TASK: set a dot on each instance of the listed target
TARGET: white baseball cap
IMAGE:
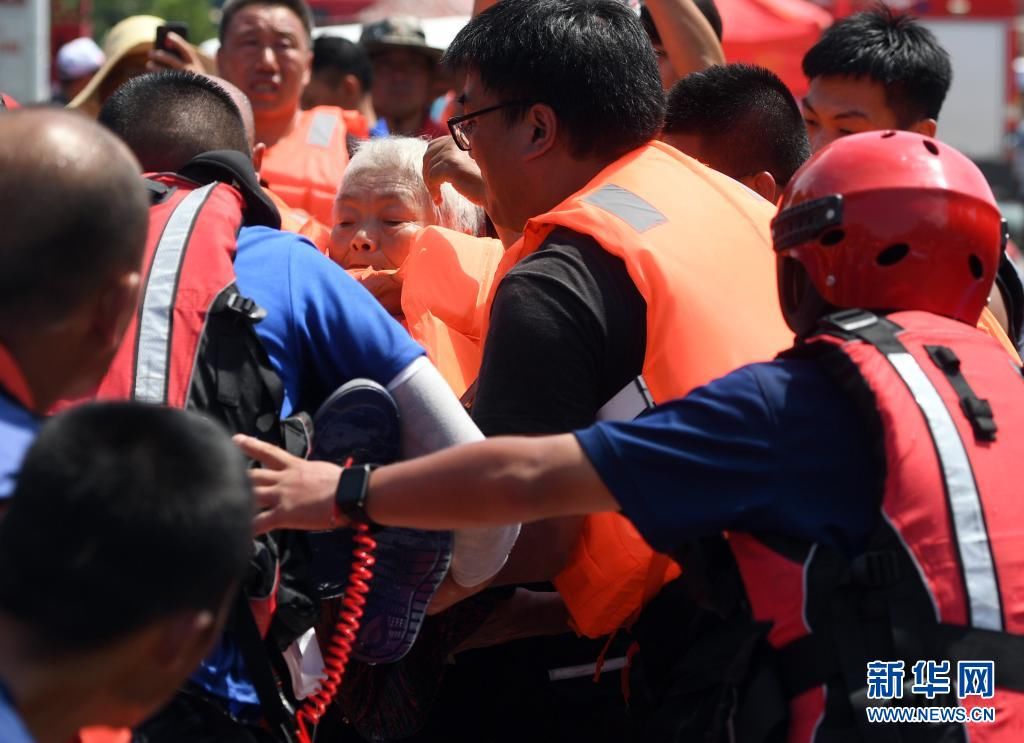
(79, 58)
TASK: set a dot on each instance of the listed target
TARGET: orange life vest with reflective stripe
(305, 167)
(698, 247)
(448, 277)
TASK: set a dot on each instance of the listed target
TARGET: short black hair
(122, 514)
(892, 49)
(707, 8)
(745, 115)
(590, 60)
(335, 57)
(167, 118)
(298, 7)
(75, 213)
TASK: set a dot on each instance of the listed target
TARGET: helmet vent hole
(888, 134)
(832, 237)
(976, 266)
(893, 254)
(931, 147)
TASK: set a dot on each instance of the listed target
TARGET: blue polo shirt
(18, 425)
(322, 329)
(18, 428)
(12, 727)
(774, 447)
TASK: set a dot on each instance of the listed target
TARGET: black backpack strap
(235, 169)
(278, 712)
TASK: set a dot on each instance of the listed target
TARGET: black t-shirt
(568, 330)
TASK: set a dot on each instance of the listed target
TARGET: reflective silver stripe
(627, 206)
(321, 129)
(586, 670)
(964, 502)
(154, 339)
(803, 578)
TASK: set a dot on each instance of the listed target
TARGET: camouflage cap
(404, 32)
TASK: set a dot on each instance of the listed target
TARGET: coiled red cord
(338, 650)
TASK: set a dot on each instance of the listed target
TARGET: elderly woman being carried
(422, 260)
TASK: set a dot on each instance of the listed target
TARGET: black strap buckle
(875, 569)
(850, 321)
(977, 410)
(245, 307)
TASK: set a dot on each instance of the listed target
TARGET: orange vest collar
(13, 381)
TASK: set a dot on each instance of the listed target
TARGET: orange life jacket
(990, 325)
(698, 247)
(448, 277)
(305, 167)
(299, 223)
(356, 123)
(103, 735)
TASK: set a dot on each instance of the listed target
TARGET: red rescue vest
(192, 345)
(938, 579)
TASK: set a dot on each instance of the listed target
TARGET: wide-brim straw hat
(132, 35)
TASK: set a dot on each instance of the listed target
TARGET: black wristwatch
(350, 498)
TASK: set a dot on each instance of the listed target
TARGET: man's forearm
(500, 481)
(687, 36)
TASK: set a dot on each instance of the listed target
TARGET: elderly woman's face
(376, 217)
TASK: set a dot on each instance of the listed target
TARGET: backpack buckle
(245, 307)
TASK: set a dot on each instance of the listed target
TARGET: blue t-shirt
(12, 727)
(322, 329)
(18, 428)
(774, 447)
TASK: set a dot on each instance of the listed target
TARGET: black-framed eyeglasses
(462, 127)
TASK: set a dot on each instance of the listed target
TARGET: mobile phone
(627, 403)
(178, 27)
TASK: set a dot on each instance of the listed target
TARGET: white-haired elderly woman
(382, 204)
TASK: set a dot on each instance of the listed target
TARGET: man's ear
(258, 151)
(307, 72)
(352, 88)
(114, 309)
(543, 130)
(927, 127)
(762, 183)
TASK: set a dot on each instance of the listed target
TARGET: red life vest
(156, 361)
(193, 345)
(939, 577)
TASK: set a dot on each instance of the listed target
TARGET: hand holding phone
(171, 50)
(178, 27)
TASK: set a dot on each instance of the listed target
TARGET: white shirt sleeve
(434, 419)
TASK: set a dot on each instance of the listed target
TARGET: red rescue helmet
(887, 220)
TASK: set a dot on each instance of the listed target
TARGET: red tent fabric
(772, 33)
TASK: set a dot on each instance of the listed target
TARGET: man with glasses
(634, 260)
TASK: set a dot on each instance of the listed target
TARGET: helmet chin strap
(802, 305)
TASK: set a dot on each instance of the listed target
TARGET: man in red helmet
(860, 478)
